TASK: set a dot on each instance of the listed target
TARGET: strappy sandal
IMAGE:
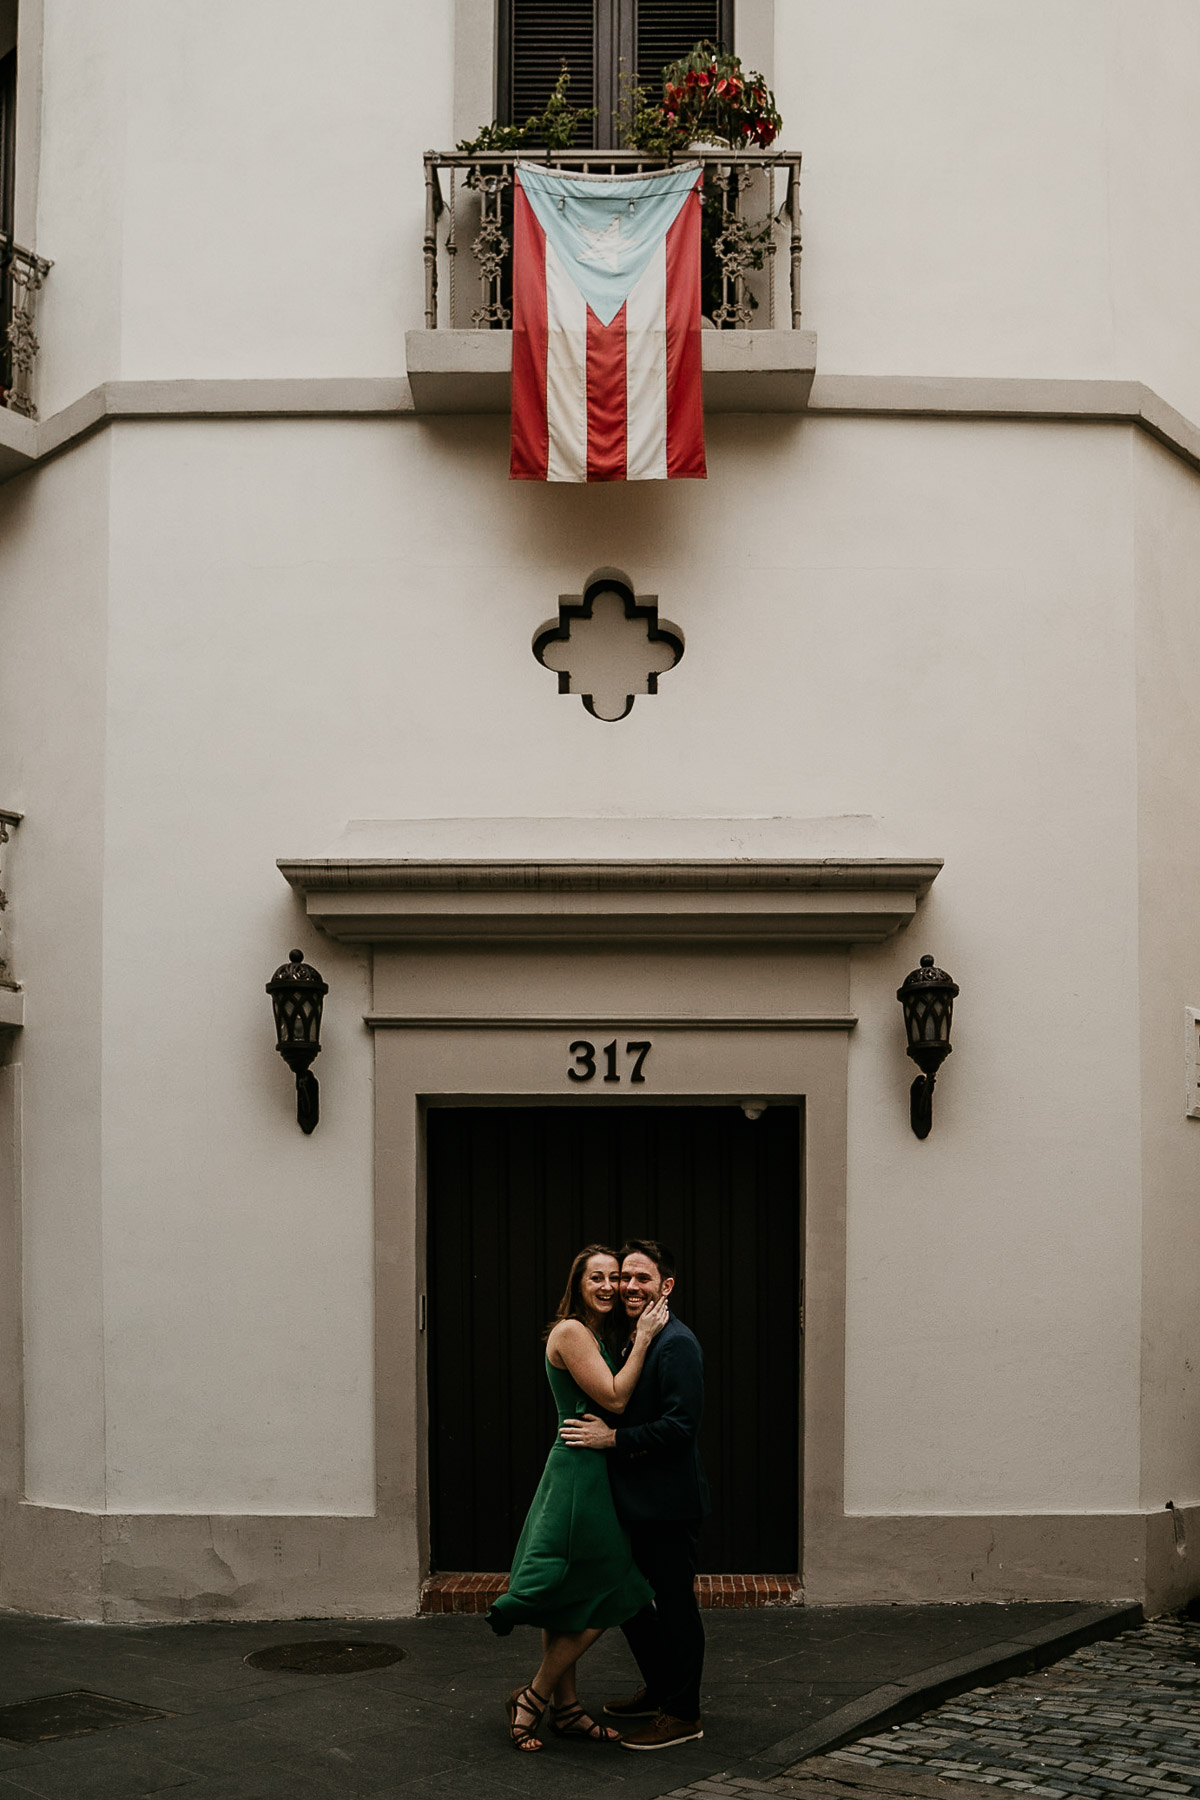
(573, 1722)
(524, 1737)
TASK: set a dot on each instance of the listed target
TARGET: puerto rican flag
(606, 326)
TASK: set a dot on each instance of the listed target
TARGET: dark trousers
(667, 1639)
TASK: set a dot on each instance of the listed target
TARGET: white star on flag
(604, 246)
(606, 376)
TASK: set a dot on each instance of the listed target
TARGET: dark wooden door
(513, 1194)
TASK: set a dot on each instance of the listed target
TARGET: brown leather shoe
(664, 1732)
(633, 1706)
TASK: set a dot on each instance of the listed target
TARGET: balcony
(12, 1000)
(21, 276)
(756, 357)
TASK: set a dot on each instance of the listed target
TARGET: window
(8, 131)
(599, 39)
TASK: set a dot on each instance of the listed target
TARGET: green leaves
(706, 97)
(554, 128)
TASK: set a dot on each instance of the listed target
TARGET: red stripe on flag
(685, 404)
(530, 432)
(607, 417)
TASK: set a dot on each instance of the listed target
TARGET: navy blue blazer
(655, 1466)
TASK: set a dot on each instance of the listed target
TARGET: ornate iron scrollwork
(8, 820)
(23, 274)
(491, 249)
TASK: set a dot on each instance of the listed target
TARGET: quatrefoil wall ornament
(608, 645)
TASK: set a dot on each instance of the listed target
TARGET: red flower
(702, 79)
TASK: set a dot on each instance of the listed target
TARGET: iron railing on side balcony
(21, 275)
(752, 204)
(8, 823)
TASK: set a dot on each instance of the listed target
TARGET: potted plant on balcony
(707, 98)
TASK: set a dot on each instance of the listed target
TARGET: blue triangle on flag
(605, 228)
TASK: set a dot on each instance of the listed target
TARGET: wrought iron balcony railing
(751, 207)
(21, 275)
(8, 823)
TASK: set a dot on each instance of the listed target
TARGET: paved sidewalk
(1115, 1718)
(431, 1723)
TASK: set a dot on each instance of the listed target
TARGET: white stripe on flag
(646, 372)
(566, 373)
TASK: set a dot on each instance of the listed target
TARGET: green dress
(572, 1567)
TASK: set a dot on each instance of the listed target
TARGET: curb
(900, 1701)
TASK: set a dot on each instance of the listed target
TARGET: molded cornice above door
(631, 880)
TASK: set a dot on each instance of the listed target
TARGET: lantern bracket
(927, 996)
(297, 996)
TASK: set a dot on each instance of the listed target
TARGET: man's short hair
(662, 1258)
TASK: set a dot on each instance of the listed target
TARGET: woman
(573, 1573)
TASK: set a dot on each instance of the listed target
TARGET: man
(661, 1496)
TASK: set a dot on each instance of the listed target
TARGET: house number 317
(584, 1066)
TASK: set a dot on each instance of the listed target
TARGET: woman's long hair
(573, 1306)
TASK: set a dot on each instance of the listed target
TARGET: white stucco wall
(1168, 556)
(955, 183)
(1154, 173)
(235, 190)
(239, 1267)
(223, 641)
(53, 729)
(79, 180)
(934, 629)
(987, 190)
(998, 190)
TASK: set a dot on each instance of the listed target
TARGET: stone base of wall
(147, 1567)
(1152, 1558)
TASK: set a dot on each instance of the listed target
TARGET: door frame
(718, 1061)
(793, 1103)
(496, 943)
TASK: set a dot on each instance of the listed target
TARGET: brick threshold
(474, 1593)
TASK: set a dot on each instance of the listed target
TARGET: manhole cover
(332, 1656)
(69, 1715)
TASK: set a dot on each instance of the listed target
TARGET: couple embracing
(610, 1538)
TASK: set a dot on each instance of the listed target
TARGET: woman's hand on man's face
(651, 1322)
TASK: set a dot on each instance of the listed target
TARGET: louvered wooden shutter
(8, 134)
(8, 129)
(596, 37)
(667, 29)
(540, 34)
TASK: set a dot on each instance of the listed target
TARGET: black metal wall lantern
(927, 996)
(297, 995)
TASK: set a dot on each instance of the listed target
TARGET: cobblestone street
(1113, 1718)
(1120, 1717)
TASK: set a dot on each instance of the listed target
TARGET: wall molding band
(379, 1021)
(24, 444)
(1085, 401)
